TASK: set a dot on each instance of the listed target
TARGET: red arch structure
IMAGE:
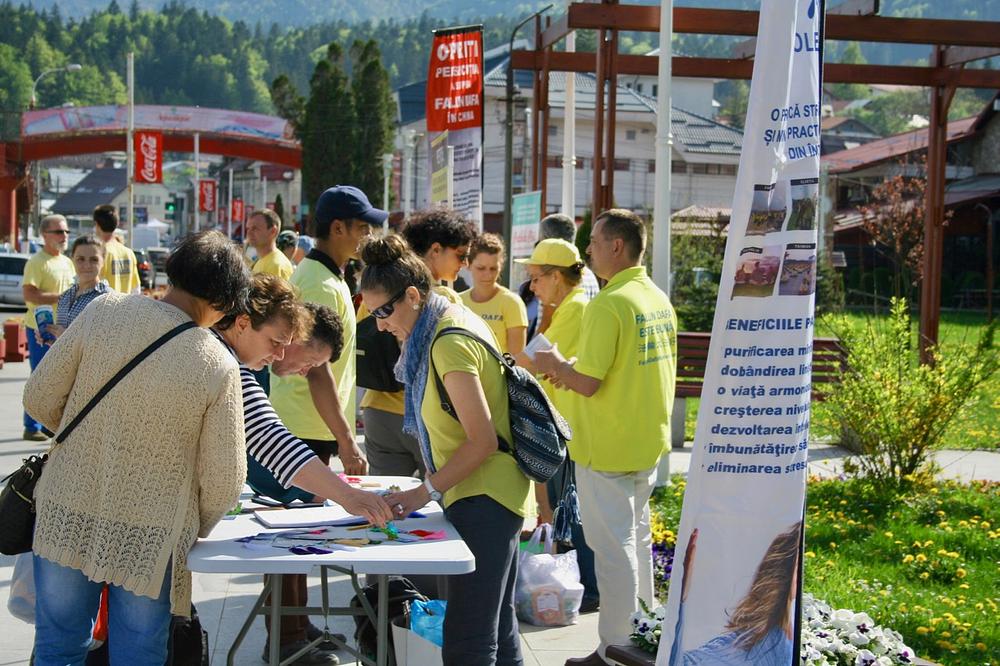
(50, 133)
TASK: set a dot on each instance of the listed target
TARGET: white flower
(660, 613)
(864, 658)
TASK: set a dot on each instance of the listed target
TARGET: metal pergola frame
(954, 44)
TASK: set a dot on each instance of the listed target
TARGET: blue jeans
(35, 354)
(480, 628)
(66, 608)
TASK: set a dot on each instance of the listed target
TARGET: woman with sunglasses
(481, 488)
(441, 237)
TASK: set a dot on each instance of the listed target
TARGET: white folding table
(221, 553)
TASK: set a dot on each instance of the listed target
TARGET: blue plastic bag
(427, 620)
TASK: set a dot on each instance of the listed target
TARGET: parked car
(11, 276)
(147, 272)
(158, 256)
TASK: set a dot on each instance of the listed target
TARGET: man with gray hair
(562, 226)
(47, 275)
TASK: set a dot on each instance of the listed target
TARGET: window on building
(638, 88)
(630, 135)
(554, 162)
(699, 168)
(518, 166)
(728, 170)
(622, 165)
(580, 163)
(655, 89)
(676, 166)
(553, 130)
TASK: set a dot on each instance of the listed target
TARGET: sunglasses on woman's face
(386, 309)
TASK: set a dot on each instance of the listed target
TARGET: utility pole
(130, 147)
(661, 191)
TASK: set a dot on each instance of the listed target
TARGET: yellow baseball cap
(553, 252)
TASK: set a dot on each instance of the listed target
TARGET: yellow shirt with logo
(628, 340)
(274, 263)
(392, 402)
(498, 476)
(290, 396)
(120, 271)
(505, 310)
(51, 274)
(564, 331)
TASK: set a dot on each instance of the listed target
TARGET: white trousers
(615, 512)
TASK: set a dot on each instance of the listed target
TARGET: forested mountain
(188, 55)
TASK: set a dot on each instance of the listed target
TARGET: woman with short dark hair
(158, 462)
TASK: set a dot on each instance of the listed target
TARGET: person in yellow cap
(626, 371)
(555, 272)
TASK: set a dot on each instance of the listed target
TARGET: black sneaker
(312, 657)
(590, 605)
(313, 632)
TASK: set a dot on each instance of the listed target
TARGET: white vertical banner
(735, 581)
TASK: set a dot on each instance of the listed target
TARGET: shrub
(891, 409)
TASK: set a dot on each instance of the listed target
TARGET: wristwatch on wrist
(435, 495)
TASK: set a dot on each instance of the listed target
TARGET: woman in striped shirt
(88, 259)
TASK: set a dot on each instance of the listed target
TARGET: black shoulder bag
(17, 500)
(377, 353)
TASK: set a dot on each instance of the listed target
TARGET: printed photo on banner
(805, 204)
(767, 210)
(757, 271)
(757, 623)
(798, 271)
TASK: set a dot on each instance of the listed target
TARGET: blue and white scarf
(412, 370)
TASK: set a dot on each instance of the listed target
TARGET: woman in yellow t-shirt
(441, 238)
(499, 307)
(556, 273)
(482, 489)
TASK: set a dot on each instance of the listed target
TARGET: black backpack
(539, 431)
(376, 355)
(401, 593)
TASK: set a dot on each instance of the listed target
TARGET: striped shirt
(268, 440)
(70, 305)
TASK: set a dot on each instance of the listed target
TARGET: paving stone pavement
(224, 601)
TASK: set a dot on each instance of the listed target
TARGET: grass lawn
(978, 428)
(925, 564)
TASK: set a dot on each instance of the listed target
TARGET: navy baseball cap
(346, 202)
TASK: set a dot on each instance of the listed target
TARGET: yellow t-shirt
(628, 340)
(274, 263)
(564, 331)
(505, 310)
(51, 274)
(498, 477)
(290, 395)
(394, 402)
(121, 271)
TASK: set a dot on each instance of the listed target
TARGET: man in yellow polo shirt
(262, 233)
(121, 271)
(319, 409)
(47, 275)
(626, 369)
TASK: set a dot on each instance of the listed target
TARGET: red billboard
(206, 196)
(148, 157)
(455, 80)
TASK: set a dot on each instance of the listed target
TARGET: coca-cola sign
(148, 157)
(236, 214)
(206, 196)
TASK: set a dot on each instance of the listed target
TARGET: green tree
(15, 80)
(329, 122)
(376, 112)
(733, 105)
(850, 55)
(289, 104)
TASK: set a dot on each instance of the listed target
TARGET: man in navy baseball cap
(346, 203)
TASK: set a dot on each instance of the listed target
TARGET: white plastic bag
(548, 591)
(22, 589)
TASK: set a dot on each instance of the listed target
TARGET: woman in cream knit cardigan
(157, 463)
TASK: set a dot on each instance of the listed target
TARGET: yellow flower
(981, 647)
(921, 557)
(923, 631)
(809, 553)
(888, 534)
(924, 575)
(964, 586)
(960, 573)
(907, 559)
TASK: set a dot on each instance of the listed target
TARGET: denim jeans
(35, 354)
(66, 607)
(480, 628)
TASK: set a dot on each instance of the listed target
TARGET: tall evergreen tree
(279, 208)
(328, 127)
(376, 113)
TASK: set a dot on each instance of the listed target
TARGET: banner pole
(130, 147)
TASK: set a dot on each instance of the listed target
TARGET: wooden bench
(828, 361)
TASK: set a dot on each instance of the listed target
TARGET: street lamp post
(508, 185)
(73, 67)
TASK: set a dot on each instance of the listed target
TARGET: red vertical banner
(455, 80)
(206, 196)
(236, 213)
(148, 157)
